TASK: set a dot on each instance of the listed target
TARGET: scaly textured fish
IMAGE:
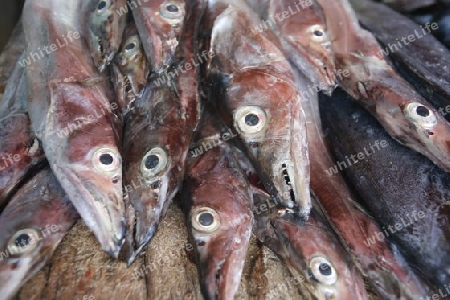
(373, 82)
(130, 69)
(158, 133)
(254, 82)
(303, 34)
(105, 22)
(160, 24)
(20, 151)
(71, 113)
(405, 192)
(418, 56)
(314, 256)
(384, 268)
(31, 227)
(218, 203)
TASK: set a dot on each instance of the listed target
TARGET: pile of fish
(319, 126)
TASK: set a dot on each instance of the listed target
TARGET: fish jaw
(279, 150)
(105, 27)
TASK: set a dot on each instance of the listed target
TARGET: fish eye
(154, 162)
(171, 10)
(205, 220)
(317, 33)
(323, 270)
(106, 160)
(421, 115)
(103, 5)
(250, 119)
(24, 241)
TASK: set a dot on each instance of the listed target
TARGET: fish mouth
(102, 211)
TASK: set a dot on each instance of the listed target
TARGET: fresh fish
(157, 136)
(314, 256)
(31, 227)
(218, 203)
(254, 82)
(105, 23)
(160, 24)
(303, 33)
(130, 69)
(384, 268)
(71, 113)
(20, 151)
(405, 192)
(373, 82)
(418, 56)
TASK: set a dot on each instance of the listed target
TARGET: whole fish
(314, 256)
(375, 84)
(218, 204)
(157, 135)
(105, 22)
(31, 227)
(383, 267)
(406, 193)
(160, 24)
(73, 116)
(20, 151)
(253, 84)
(303, 35)
(130, 69)
(418, 56)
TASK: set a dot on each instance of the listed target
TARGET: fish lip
(111, 231)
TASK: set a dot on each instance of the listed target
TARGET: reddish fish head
(306, 41)
(105, 24)
(31, 227)
(220, 220)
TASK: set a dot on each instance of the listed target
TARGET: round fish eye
(250, 119)
(24, 241)
(103, 5)
(154, 162)
(323, 270)
(205, 220)
(106, 160)
(317, 33)
(171, 10)
(421, 115)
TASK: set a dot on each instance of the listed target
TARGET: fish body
(218, 202)
(73, 116)
(383, 266)
(252, 82)
(105, 24)
(418, 56)
(403, 190)
(130, 69)
(376, 85)
(160, 24)
(314, 256)
(158, 133)
(32, 225)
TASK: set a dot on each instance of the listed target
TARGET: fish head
(305, 32)
(267, 116)
(31, 227)
(105, 28)
(221, 221)
(327, 268)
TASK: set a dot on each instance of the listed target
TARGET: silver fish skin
(31, 227)
(253, 85)
(74, 117)
(104, 22)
